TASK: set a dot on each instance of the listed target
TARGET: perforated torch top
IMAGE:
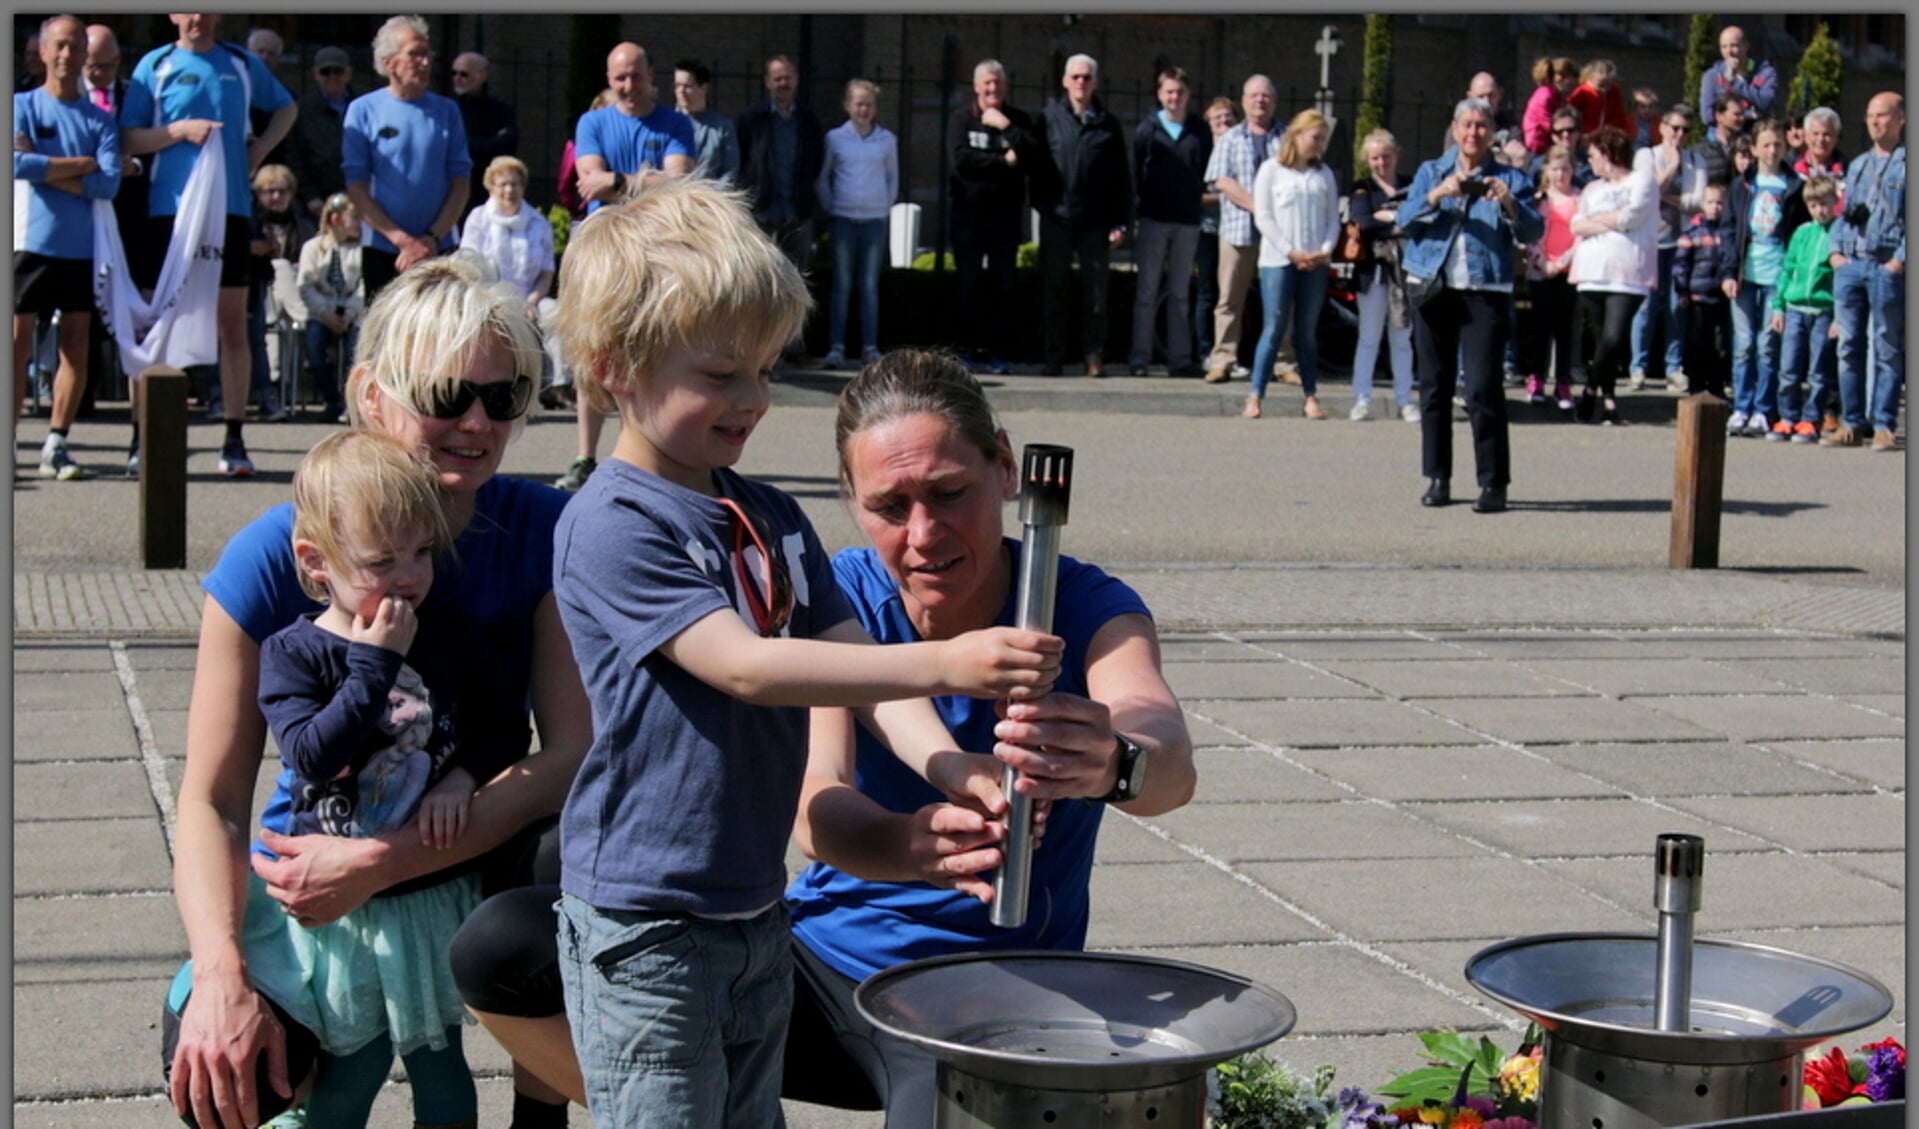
(1678, 862)
(1046, 484)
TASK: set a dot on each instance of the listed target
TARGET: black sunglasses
(502, 401)
(1566, 129)
(329, 72)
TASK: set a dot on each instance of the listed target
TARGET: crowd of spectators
(1180, 190)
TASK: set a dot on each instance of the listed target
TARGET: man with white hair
(1083, 190)
(993, 145)
(492, 124)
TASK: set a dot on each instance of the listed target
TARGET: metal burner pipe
(1678, 862)
(1046, 473)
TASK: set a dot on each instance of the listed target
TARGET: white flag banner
(179, 326)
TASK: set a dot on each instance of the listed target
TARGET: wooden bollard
(1698, 481)
(163, 467)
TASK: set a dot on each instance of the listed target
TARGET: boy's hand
(1779, 323)
(392, 625)
(1730, 288)
(1832, 331)
(1001, 662)
(442, 816)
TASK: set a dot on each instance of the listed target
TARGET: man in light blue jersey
(180, 94)
(67, 152)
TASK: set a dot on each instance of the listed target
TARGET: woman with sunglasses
(447, 366)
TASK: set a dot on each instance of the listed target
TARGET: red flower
(1830, 1077)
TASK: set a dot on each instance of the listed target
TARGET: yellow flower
(1432, 1115)
(1519, 1076)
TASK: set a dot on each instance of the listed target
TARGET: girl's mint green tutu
(381, 969)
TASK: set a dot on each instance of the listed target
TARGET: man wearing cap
(492, 125)
(313, 152)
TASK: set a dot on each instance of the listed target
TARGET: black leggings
(506, 962)
(1611, 314)
(1547, 328)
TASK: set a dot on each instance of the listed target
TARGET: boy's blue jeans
(1755, 353)
(1868, 297)
(1662, 303)
(1806, 354)
(677, 1020)
(859, 250)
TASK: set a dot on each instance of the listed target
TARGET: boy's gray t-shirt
(687, 794)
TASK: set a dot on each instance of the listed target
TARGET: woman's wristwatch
(1130, 756)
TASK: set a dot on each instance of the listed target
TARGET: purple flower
(1482, 1106)
(1886, 1074)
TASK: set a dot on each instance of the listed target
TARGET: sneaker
(1218, 375)
(1757, 424)
(1410, 413)
(577, 472)
(1884, 440)
(1805, 431)
(1563, 395)
(1239, 372)
(1676, 380)
(1459, 399)
(1736, 424)
(835, 359)
(1781, 431)
(869, 354)
(1637, 379)
(1135, 370)
(56, 463)
(1362, 411)
(1535, 390)
(234, 462)
(1842, 436)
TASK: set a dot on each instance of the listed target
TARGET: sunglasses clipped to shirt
(769, 596)
(502, 400)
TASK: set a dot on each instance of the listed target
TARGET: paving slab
(1776, 717)
(1479, 897)
(163, 688)
(1881, 763)
(1450, 773)
(1861, 822)
(134, 937)
(1124, 839)
(1881, 866)
(1697, 768)
(81, 790)
(48, 735)
(90, 857)
(1541, 644)
(1892, 705)
(1841, 675)
(1338, 989)
(1536, 828)
(1199, 681)
(1208, 649)
(1322, 647)
(1528, 721)
(1647, 675)
(1750, 891)
(1337, 724)
(64, 690)
(1191, 904)
(1243, 832)
(1463, 677)
(169, 727)
(1762, 645)
(92, 1038)
(36, 655)
(1257, 776)
(1205, 734)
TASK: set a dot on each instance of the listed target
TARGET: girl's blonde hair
(860, 84)
(1598, 72)
(1303, 122)
(1381, 137)
(426, 326)
(336, 205)
(275, 174)
(680, 264)
(501, 166)
(363, 488)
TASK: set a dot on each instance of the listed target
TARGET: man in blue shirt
(180, 94)
(67, 152)
(1869, 280)
(634, 137)
(717, 143)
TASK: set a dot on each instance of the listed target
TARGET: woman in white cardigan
(1296, 208)
(1615, 263)
(517, 241)
(329, 283)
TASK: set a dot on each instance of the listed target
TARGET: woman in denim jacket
(1463, 215)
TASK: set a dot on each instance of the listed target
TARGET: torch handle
(1046, 471)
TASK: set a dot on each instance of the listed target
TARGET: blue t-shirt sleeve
(356, 146)
(586, 137)
(256, 581)
(630, 575)
(30, 167)
(138, 107)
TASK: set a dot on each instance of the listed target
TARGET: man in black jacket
(313, 148)
(1170, 152)
(782, 149)
(492, 125)
(1083, 190)
(993, 145)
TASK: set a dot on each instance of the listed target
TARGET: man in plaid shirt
(1234, 163)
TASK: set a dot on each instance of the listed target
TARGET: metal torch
(1046, 474)
(1679, 860)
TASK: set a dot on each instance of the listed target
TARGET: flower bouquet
(1465, 1085)
(1875, 1072)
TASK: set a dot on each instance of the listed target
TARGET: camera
(1473, 188)
(1857, 215)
